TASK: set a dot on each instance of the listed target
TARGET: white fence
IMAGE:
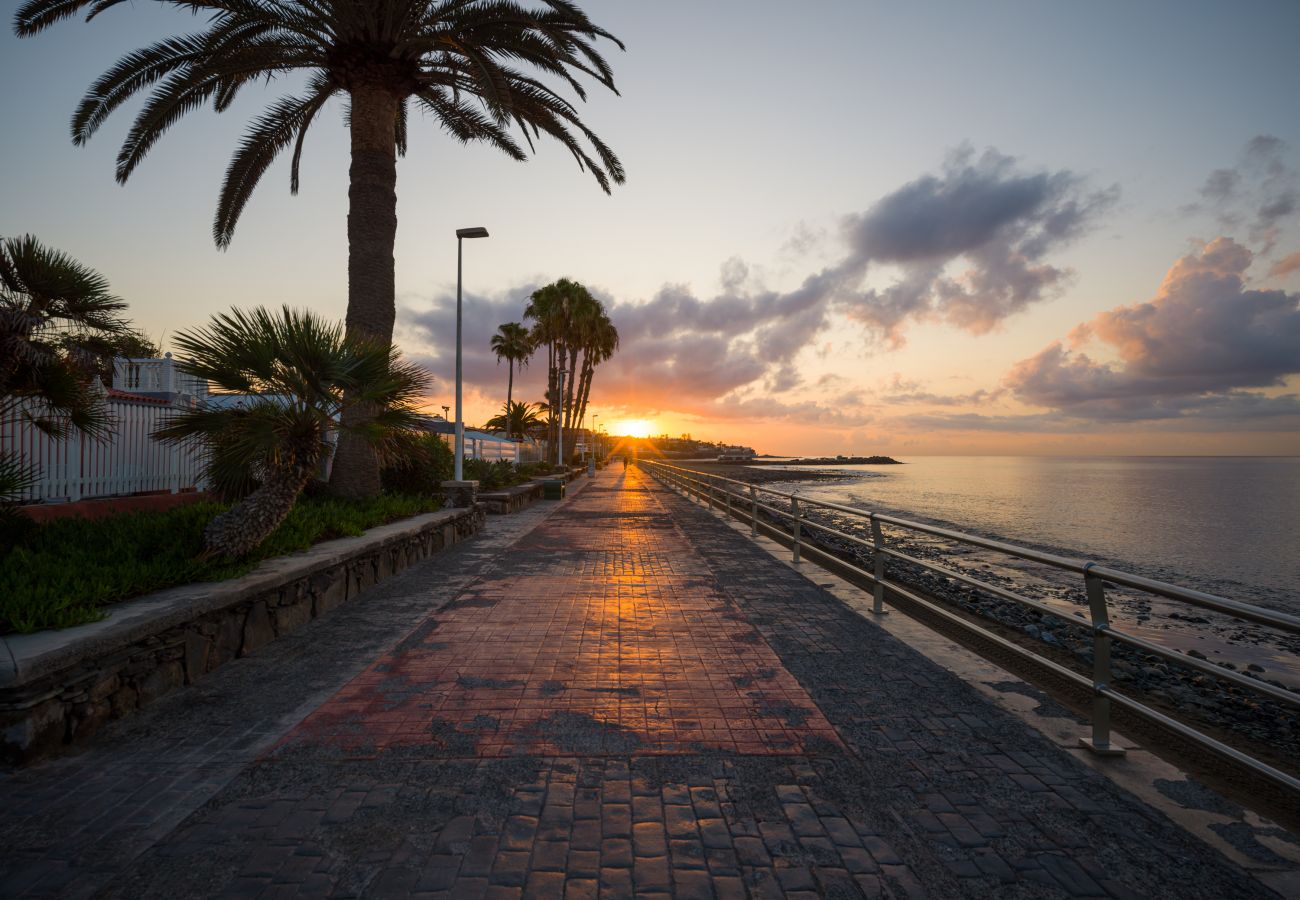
(128, 461)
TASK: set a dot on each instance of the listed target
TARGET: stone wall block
(330, 589)
(161, 681)
(287, 618)
(257, 628)
(87, 718)
(124, 701)
(196, 654)
(104, 687)
(41, 730)
(229, 637)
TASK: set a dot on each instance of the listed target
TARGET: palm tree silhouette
(383, 55)
(511, 343)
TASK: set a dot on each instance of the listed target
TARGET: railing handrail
(1095, 579)
(1235, 608)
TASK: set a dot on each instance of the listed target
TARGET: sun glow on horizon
(637, 428)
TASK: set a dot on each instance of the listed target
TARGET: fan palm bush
(297, 375)
(58, 325)
(518, 419)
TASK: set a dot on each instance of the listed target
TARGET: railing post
(878, 558)
(798, 527)
(726, 492)
(753, 516)
(1099, 743)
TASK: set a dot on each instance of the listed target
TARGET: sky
(847, 227)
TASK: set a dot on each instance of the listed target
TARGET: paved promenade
(616, 697)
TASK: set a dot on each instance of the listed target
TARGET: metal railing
(741, 500)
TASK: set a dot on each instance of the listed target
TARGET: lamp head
(471, 232)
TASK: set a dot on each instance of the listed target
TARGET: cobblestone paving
(615, 644)
(634, 700)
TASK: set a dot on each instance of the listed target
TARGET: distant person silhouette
(625, 464)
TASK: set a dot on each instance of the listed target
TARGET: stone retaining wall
(511, 499)
(58, 687)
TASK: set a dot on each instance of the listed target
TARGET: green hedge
(62, 573)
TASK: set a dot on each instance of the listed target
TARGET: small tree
(518, 418)
(513, 344)
(298, 375)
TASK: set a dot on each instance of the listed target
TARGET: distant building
(736, 454)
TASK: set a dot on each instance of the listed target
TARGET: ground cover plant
(64, 572)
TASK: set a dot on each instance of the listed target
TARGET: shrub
(61, 573)
(491, 476)
(425, 461)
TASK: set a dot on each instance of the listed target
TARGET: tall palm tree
(511, 343)
(601, 343)
(555, 310)
(584, 315)
(58, 325)
(298, 375)
(383, 55)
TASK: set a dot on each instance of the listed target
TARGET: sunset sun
(637, 428)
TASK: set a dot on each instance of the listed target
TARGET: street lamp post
(560, 423)
(595, 437)
(461, 234)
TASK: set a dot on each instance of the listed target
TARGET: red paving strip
(600, 633)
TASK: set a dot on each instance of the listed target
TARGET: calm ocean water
(1227, 525)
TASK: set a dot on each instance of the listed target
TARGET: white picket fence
(128, 461)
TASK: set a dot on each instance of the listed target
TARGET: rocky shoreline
(1151, 679)
(744, 472)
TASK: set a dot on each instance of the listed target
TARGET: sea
(1224, 525)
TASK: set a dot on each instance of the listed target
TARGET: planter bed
(511, 499)
(58, 687)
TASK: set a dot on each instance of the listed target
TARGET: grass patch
(64, 572)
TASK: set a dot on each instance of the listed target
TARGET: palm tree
(299, 374)
(554, 309)
(59, 325)
(383, 55)
(511, 343)
(600, 344)
(517, 418)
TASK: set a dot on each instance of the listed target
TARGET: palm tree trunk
(250, 521)
(569, 388)
(372, 230)
(552, 389)
(584, 389)
(510, 391)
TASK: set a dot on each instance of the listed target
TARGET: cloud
(427, 330)
(1233, 411)
(1287, 265)
(987, 217)
(971, 243)
(1260, 193)
(1194, 350)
